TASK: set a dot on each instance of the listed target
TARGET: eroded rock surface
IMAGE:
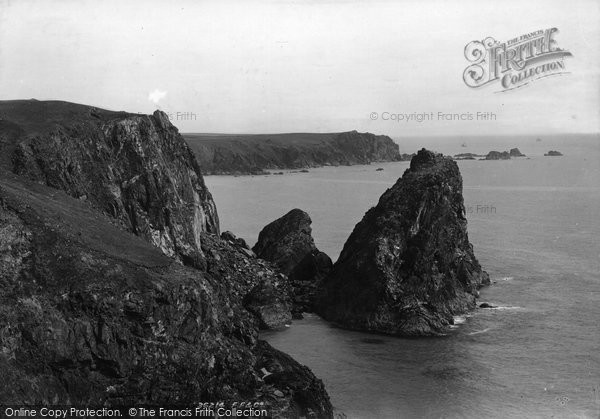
(97, 309)
(408, 266)
(136, 168)
(288, 243)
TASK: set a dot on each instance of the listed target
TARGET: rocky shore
(257, 154)
(115, 287)
(408, 266)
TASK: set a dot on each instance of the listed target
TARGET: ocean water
(535, 227)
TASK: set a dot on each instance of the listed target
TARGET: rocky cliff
(136, 168)
(95, 304)
(408, 266)
(288, 243)
(255, 154)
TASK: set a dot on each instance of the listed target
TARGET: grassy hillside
(256, 154)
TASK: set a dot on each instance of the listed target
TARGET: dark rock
(288, 243)
(307, 397)
(408, 266)
(486, 305)
(238, 241)
(270, 305)
(498, 155)
(379, 169)
(92, 314)
(406, 157)
(263, 290)
(136, 168)
(552, 153)
(514, 152)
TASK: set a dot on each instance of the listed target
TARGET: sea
(535, 226)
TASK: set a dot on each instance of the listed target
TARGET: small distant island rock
(288, 243)
(504, 155)
(408, 267)
(515, 152)
(498, 155)
(257, 154)
(553, 153)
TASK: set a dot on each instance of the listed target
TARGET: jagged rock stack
(288, 243)
(408, 266)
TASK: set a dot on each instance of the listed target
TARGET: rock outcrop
(553, 153)
(408, 266)
(256, 154)
(515, 152)
(504, 155)
(136, 168)
(95, 309)
(264, 291)
(288, 243)
(498, 155)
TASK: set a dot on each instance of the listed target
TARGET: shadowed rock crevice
(408, 266)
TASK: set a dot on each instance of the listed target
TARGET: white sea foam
(479, 331)
(458, 320)
(493, 307)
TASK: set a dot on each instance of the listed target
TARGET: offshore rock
(136, 168)
(498, 155)
(408, 266)
(288, 243)
(515, 152)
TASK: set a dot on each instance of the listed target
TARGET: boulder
(287, 243)
(408, 266)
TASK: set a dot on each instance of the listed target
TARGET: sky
(258, 66)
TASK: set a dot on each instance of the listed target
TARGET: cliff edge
(256, 154)
(135, 168)
(98, 210)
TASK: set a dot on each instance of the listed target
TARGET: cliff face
(288, 243)
(93, 314)
(254, 154)
(136, 168)
(408, 266)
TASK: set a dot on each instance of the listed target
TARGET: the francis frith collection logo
(516, 62)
